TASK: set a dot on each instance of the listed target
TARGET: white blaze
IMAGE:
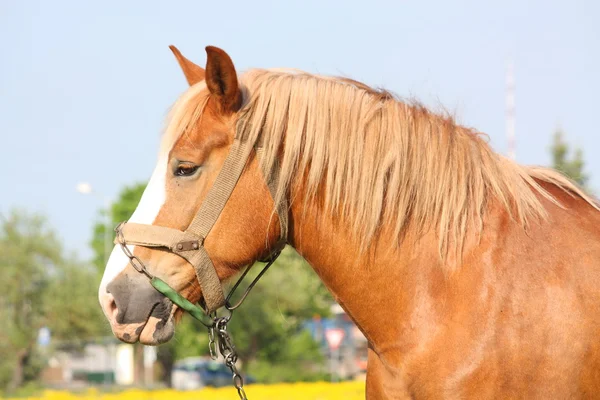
(145, 213)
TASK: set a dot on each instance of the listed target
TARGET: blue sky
(85, 85)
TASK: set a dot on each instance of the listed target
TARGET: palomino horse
(470, 275)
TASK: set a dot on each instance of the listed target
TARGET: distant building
(106, 362)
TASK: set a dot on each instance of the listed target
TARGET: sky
(85, 85)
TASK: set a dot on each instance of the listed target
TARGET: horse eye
(186, 170)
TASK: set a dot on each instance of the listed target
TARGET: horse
(470, 275)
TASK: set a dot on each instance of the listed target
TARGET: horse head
(199, 137)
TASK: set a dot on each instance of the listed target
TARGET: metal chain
(225, 343)
(227, 350)
(212, 343)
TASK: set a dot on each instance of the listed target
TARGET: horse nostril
(110, 305)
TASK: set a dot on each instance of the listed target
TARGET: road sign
(334, 337)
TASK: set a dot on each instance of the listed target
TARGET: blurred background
(84, 90)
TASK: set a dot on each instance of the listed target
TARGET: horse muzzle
(136, 311)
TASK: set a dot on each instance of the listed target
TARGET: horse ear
(193, 73)
(221, 79)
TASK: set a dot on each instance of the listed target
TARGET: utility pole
(510, 110)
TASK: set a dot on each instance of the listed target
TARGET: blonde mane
(374, 160)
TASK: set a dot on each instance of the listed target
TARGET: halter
(189, 244)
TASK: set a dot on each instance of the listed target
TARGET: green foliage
(190, 339)
(267, 329)
(40, 288)
(287, 295)
(29, 252)
(7, 362)
(573, 167)
(299, 360)
(72, 303)
(30, 389)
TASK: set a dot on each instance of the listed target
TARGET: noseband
(189, 244)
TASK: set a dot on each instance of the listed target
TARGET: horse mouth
(158, 328)
(157, 331)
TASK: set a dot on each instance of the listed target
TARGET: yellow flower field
(292, 391)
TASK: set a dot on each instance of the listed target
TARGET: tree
(573, 167)
(267, 329)
(40, 288)
(72, 308)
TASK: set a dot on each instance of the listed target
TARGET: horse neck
(375, 287)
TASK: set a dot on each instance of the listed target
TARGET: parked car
(197, 372)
